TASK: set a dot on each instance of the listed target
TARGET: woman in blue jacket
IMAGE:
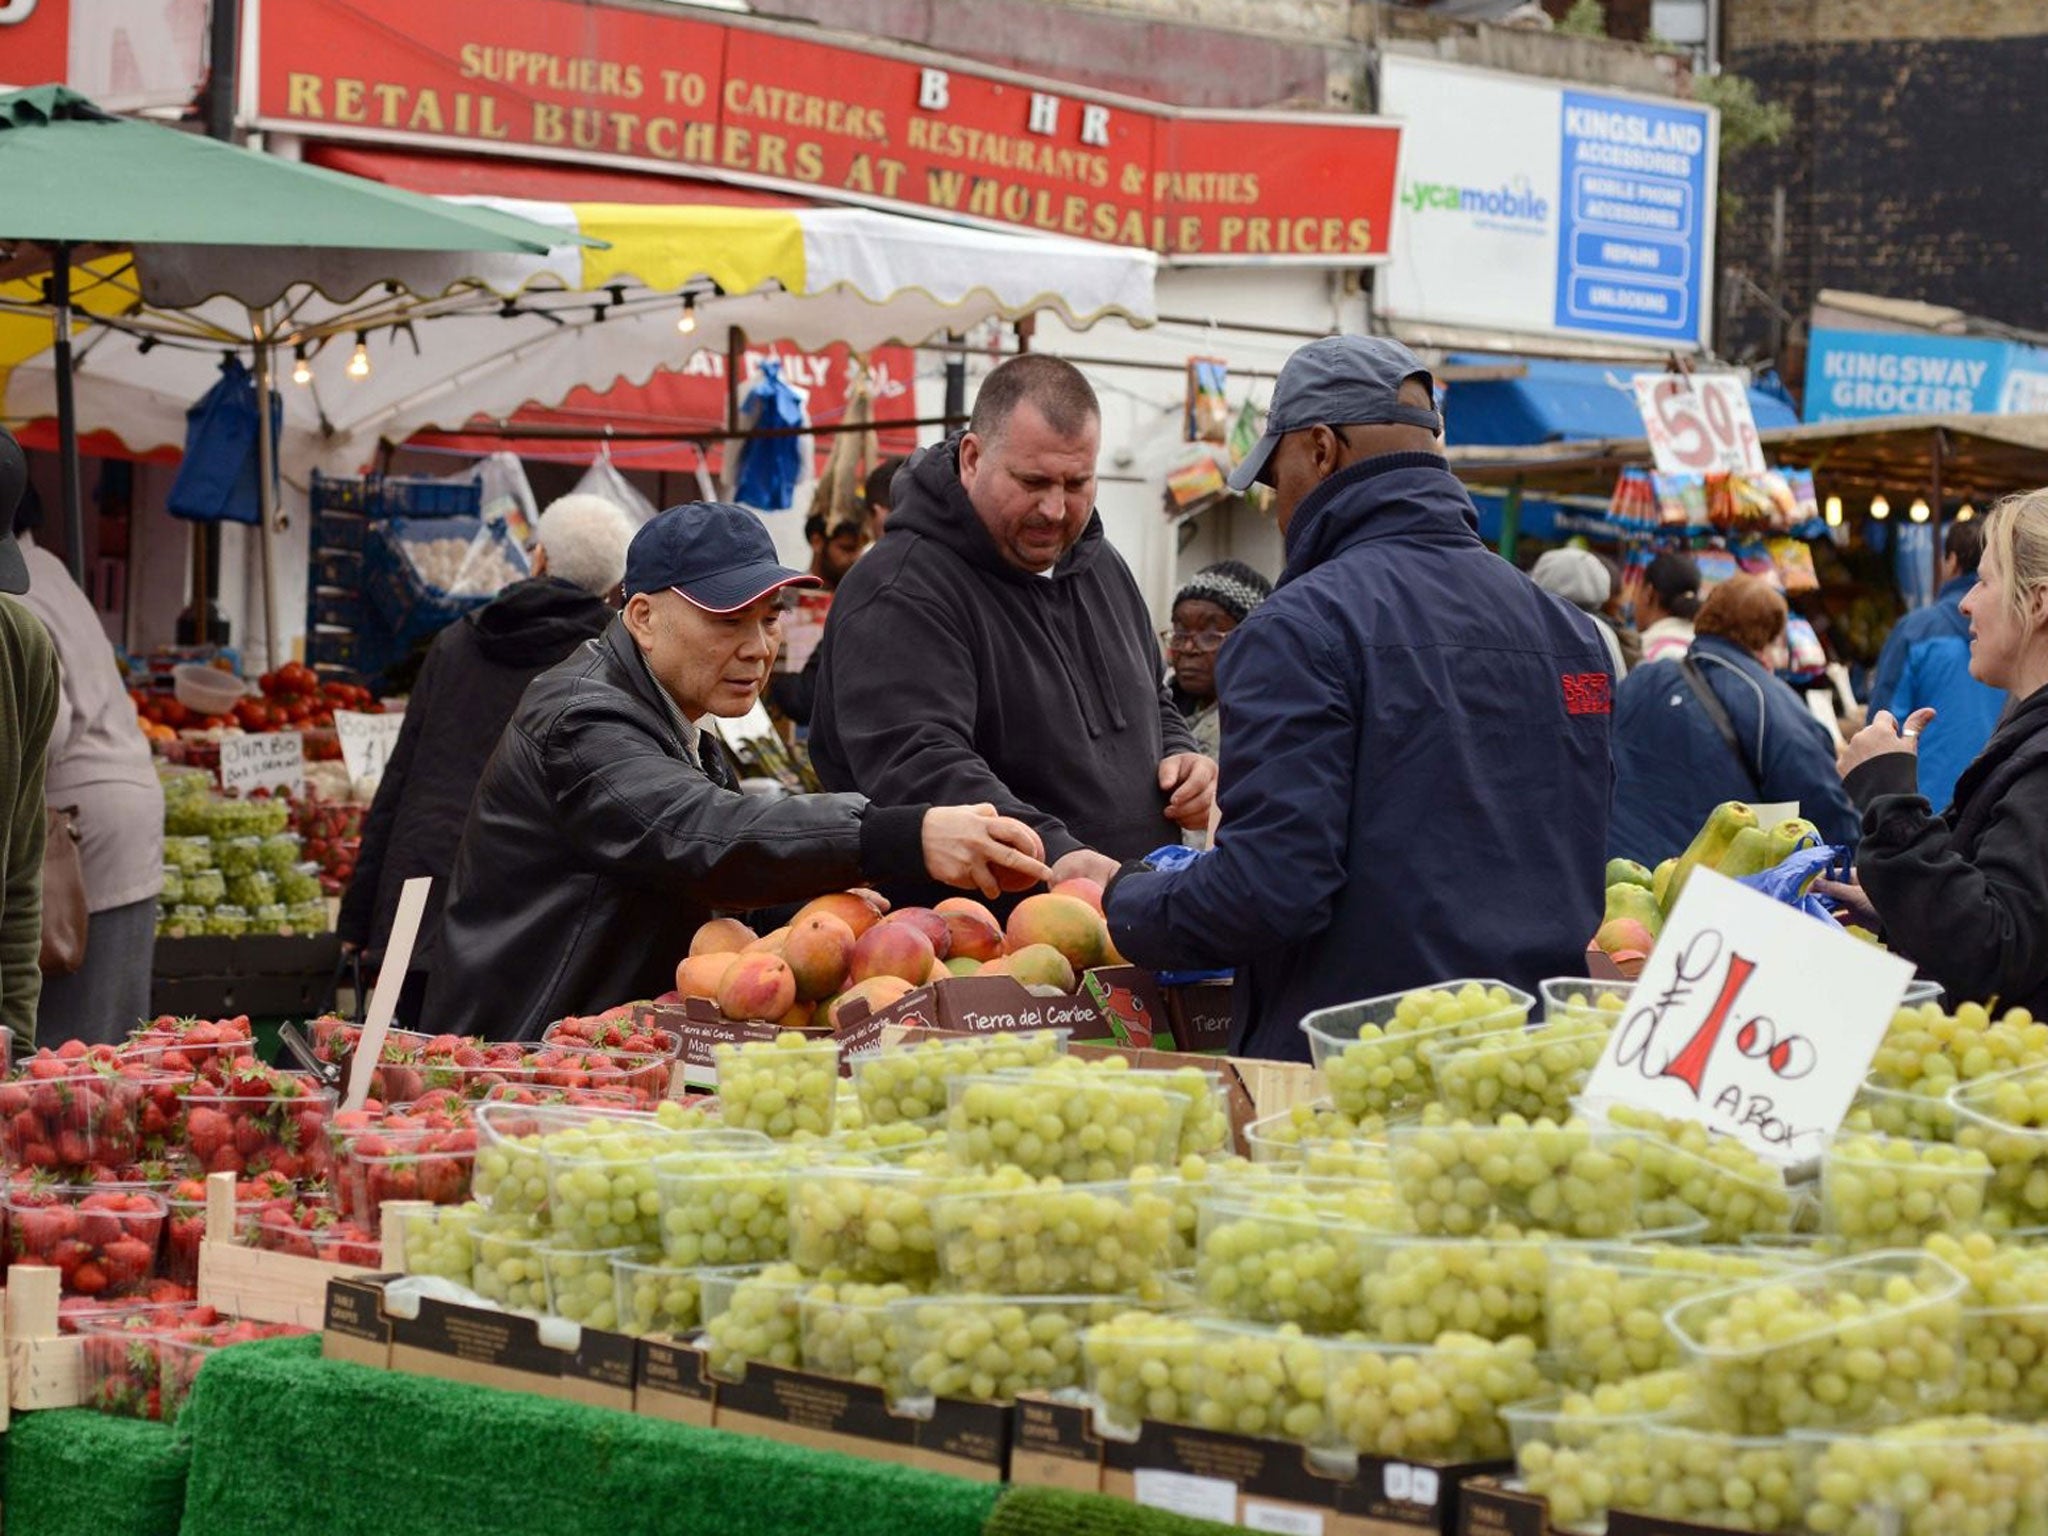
(1719, 725)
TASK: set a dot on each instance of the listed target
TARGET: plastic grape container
(1061, 1125)
(1416, 1288)
(602, 1182)
(1139, 1366)
(1533, 1073)
(1023, 1237)
(1604, 1304)
(1435, 1402)
(752, 1314)
(1855, 1341)
(1683, 1163)
(870, 1223)
(1460, 1179)
(1370, 1052)
(851, 1330)
(780, 1087)
(2005, 1117)
(1271, 1257)
(1574, 999)
(1937, 1475)
(908, 1082)
(1703, 1476)
(509, 1268)
(1320, 1141)
(655, 1298)
(1889, 1192)
(438, 1241)
(991, 1348)
(725, 1208)
(579, 1282)
(1904, 1112)
(1583, 1452)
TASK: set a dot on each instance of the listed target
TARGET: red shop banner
(754, 103)
(35, 42)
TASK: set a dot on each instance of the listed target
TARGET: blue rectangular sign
(1854, 374)
(1634, 222)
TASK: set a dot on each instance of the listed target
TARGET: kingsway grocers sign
(1856, 374)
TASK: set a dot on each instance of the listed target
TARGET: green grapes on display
(724, 1210)
(1604, 1306)
(1442, 1402)
(1272, 1258)
(1271, 1384)
(853, 1331)
(1886, 1192)
(1418, 1288)
(1060, 1124)
(785, 1087)
(1842, 1344)
(509, 1268)
(1020, 1236)
(991, 1348)
(1932, 1052)
(1533, 1073)
(601, 1187)
(909, 1082)
(873, 1224)
(1584, 1452)
(1962, 1475)
(752, 1315)
(1376, 1068)
(1739, 1484)
(1735, 1190)
(1459, 1179)
(1907, 1112)
(2006, 1119)
(655, 1298)
(1141, 1365)
(437, 1240)
(580, 1284)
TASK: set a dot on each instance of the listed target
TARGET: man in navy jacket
(1415, 771)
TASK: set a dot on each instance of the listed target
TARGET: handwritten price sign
(366, 743)
(1699, 425)
(275, 761)
(1752, 1019)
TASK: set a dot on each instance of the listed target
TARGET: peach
(1067, 923)
(893, 949)
(972, 928)
(878, 992)
(721, 936)
(700, 975)
(931, 924)
(1081, 888)
(849, 907)
(819, 949)
(759, 986)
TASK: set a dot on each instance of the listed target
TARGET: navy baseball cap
(716, 554)
(1340, 381)
(13, 482)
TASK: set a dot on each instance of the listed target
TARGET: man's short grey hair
(586, 538)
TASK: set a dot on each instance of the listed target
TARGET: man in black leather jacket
(607, 826)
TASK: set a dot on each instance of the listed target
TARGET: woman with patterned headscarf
(1215, 601)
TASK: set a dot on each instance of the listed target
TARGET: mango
(971, 929)
(757, 986)
(818, 951)
(721, 936)
(931, 924)
(878, 992)
(1035, 965)
(699, 975)
(1623, 937)
(849, 907)
(768, 943)
(962, 965)
(892, 949)
(1082, 889)
(1066, 923)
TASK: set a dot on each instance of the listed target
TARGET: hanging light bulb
(1918, 511)
(1834, 512)
(359, 360)
(302, 370)
(686, 322)
(1965, 512)
(1880, 509)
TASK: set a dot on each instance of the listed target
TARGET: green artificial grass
(284, 1439)
(1057, 1512)
(74, 1472)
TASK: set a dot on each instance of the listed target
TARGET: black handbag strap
(1718, 714)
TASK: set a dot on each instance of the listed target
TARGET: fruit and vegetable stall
(917, 1218)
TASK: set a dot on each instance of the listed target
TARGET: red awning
(483, 176)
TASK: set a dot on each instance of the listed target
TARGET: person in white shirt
(1666, 599)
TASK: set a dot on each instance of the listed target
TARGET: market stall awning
(449, 338)
(1978, 458)
(1541, 400)
(443, 175)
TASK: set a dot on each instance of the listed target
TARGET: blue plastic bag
(1172, 857)
(217, 481)
(770, 467)
(1790, 881)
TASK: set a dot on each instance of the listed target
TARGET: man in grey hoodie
(993, 647)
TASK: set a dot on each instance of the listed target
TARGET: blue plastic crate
(339, 530)
(398, 498)
(330, 493)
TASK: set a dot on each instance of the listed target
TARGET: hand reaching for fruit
(1189, 780)
(972, 847)
(1085, 864)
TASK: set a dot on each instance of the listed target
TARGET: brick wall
(1763, 23)
(1917, 169)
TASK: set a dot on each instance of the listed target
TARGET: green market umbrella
(81, 182)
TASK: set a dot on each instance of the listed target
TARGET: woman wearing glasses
(1213, 603)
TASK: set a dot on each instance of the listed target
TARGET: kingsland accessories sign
(1531, 207)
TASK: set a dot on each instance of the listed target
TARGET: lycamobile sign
(1533, 208)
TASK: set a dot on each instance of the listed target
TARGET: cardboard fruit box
(1234, 1479)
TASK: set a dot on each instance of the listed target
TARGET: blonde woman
(1964, 894)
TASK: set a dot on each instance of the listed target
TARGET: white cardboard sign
(366, 743)
(1699, 424)
(1752, 1019)
(272, 760)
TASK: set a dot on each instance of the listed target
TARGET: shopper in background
(1214, 602)
(1415, 772)
(994, 647)
(1581, 578)
(878, 495)
(1925, 664)
(1616, 615)
(474, 675)
(609, 824)
(1963, 893)
(1666, 598)
(833, 551)
(1718, 724)
(29, 700)
(99, 762)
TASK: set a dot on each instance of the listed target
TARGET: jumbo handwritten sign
(274, 760)
(1752, 1019)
